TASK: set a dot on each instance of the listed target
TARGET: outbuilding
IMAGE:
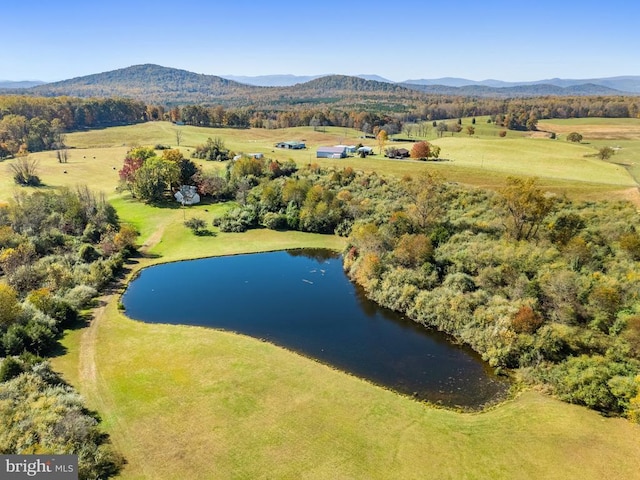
(402, 153)
(348, 148)
(292, 145)
(331, 152)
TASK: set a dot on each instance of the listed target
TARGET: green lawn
(188, 402)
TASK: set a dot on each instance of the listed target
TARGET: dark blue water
(303, 300)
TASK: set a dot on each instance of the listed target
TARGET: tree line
(57, 251)
(39, 123)
(33, 124)
(513, 114)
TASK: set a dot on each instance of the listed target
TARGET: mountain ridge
(170, 86)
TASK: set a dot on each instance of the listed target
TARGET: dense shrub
(64, 426)
(56, 250)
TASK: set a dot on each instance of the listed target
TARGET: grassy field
(186, 402)
(483, 159)
(621, 134)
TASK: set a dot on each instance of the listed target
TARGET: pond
(302, 300)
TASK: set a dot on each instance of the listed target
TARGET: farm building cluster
(337, 151)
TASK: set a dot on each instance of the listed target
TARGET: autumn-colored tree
(631, 335)
(605, 300)
(369, 270)
(246, 166)
(141, 153)
(211, 184)
(126, 238)
(630, 242)
(128, 171)
(470, 130)
(412, 250)
(425, 192)
(9, 305)
(382, 138)
(172, 154)
(526, 320)
(13, 258)
(502, 133)
(526, 206)
(367, 238)
(421, 150)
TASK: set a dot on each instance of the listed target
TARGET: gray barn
(331, 152)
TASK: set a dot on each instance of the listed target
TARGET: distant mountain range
(20, 84)
(627, 84)
(170, 86)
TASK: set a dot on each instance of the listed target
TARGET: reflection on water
(302, 300)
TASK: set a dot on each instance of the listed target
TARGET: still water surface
(302, 300)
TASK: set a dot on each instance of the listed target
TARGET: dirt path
(88, 341)
(153, 239)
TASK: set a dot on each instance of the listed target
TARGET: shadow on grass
(205, 233)
(82, 321)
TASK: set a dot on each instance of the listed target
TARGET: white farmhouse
(187, 195)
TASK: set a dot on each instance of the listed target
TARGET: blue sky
(505, 40)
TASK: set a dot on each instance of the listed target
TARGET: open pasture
(621, 134)
(483, 159)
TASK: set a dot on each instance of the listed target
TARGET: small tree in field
(605, 153)
(574, 137)
(62, 155)
(470, 130)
